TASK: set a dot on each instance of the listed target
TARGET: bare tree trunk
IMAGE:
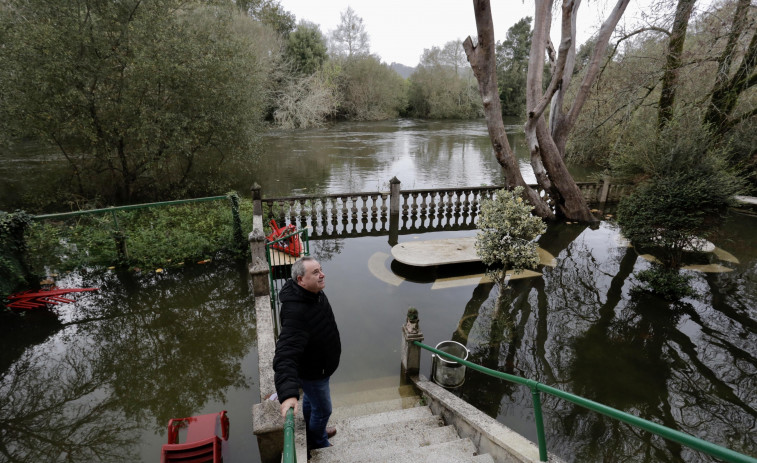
(673, 61)
(482, 60)
(555, 112)
(726, 90)
(548, 145)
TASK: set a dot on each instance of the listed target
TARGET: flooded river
(98, 380)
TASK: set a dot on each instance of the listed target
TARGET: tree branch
(559, 68)
(599, 50)
(636, 32)
(556, 109)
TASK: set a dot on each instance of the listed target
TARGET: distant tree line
(159, 99)
(137, 95)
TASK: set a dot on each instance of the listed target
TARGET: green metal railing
(690, 441)
(114, 209)
(290, 455)
(120, 236)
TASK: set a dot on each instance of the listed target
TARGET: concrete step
(485, 458)
(370, 408)
(346, 435)
(456, 451)
(403, 436)
(391, 418)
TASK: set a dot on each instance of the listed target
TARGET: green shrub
(159, 236)
(13, 269)
(506, 233)
(684, 188)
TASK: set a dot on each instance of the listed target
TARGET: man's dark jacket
(308, 346)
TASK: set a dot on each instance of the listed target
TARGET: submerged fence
(399, 211)
(160, 233)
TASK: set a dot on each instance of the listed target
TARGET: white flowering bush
(506, 234)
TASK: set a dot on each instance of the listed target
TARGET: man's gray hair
(298, 268)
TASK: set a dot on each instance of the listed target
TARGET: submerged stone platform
(436, 252)
(448, 251)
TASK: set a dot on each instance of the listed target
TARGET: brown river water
(98, 380)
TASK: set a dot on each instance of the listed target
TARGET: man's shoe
(330, 432)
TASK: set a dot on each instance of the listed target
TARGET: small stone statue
(411, 325)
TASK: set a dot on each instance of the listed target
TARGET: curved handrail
(688, 440)
(289, 456)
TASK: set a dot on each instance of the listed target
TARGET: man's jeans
(316, 408)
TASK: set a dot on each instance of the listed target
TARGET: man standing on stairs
(308, 350)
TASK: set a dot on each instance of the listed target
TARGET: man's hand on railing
(287, 404)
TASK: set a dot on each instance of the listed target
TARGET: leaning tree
(546, 143)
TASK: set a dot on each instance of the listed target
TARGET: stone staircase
(390, 424)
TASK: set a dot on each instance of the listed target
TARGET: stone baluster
(374, 212)
(458, 202)
(292, 213)
(354, 209)
(364, 213)
(345, 209)
(414, 206)
(334, 214)
(384, 210)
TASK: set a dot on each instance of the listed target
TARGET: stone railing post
(411, 354)
(394, 210)
(394, 195)
(257, 207)
(258, 267)
(605, 192)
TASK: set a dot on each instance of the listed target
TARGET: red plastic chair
(205, 442)
(292, 245)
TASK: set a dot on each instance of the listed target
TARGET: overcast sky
(400, 30)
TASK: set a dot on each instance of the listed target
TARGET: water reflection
(128, 358)
(52, 409)
(147, 344)
(690, 365)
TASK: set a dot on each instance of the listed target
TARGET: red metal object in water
(205, 442)
(36, 299)
(291, 245)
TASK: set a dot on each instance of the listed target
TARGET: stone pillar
(394, 195)
(257, 207)
(394, 211)
(257, 245)
(411, 354)
(258, 267)
(605, 192)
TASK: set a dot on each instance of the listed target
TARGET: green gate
(280, 267)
